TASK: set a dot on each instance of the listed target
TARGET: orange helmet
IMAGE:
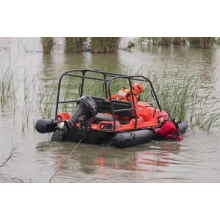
(164, 114)
(138, 88)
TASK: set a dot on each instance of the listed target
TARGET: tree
(206, 42)
(74, 44)
(47, 44)
(105, 44)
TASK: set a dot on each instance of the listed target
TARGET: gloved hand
(155, 129)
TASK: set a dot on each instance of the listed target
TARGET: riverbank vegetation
(202, 42)
(74, 44)
(104, 44)
(47, 44)
(184, 97)
(112, 44)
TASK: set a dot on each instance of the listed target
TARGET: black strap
(175, 123)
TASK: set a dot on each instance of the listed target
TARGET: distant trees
(203, 42)
(206, 42)
(47, 44)
(74, 44)
(78, 44)
(104, 44)
(111, 44)
(194, 41)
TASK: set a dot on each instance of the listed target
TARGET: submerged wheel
(58, 136)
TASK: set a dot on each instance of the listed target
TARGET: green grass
(105, 44)
(74, 44)
(179, 95)
(184, 97)
(47, 44)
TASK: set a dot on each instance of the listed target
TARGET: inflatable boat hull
(120, 140)
(45, 126)
(133, 138)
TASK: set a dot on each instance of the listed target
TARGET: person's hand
(155, 129)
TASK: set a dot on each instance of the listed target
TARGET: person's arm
(134, 97)
(165, 129)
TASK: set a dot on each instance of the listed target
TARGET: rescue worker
(168, 130)
(124, 93)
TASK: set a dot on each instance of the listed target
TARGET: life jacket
(124, 94)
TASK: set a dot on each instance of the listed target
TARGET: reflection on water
(196, 159)
(92, 163)
(185, 161)
(152, 162)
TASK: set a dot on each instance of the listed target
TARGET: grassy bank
(185, 97)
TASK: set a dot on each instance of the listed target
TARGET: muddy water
(36, 159)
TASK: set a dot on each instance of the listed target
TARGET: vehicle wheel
(58, 136)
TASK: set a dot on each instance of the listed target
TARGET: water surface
(195, 159)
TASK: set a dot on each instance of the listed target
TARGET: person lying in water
(124, 93)
(168, 130)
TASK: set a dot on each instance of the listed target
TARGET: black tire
(58, 136)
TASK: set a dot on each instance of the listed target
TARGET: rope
(64, 161)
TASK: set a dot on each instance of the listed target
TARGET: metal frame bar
(107, 83)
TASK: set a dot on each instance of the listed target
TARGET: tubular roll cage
(106, 85)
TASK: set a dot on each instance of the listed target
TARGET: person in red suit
(168, 130)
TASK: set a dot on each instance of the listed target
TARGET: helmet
(138, 88)
(164, 114)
